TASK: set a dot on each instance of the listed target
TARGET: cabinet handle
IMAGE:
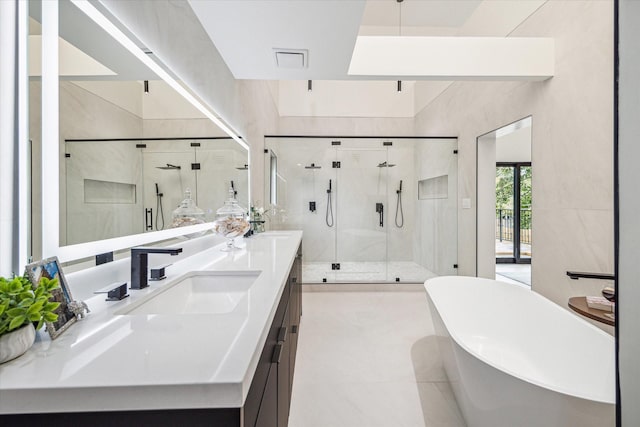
(282, 333)
(277, 352)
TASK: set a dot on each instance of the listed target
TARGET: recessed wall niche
(108, 192)
(434, 188)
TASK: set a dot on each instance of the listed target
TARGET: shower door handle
(380, 211)
(148, 219)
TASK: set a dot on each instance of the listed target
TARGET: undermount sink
(199, 292)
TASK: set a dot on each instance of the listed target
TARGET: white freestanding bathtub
(516, 359)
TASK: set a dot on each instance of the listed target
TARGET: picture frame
(51, 269)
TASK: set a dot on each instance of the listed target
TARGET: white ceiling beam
(454, 58)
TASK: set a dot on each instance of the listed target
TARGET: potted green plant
(21, 306)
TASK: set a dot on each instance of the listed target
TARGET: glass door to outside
(513, 213)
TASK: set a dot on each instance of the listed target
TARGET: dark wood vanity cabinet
(277, 362)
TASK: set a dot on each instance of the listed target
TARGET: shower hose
(329, 215)
(399, 210)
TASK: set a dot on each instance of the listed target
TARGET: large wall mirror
(130, 147)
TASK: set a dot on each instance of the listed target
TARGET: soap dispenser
(231, 221)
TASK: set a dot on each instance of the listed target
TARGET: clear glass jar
(187, 213)
(231, 221)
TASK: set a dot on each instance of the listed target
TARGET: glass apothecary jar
(187, 213)
(231, 221)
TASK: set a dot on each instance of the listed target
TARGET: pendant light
(399, 34)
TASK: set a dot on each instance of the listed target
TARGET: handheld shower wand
(235, 192)
(400, 223)
(329, 215)
(159, 211)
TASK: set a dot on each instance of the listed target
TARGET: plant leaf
(50, 317)
(16, 312)
(40, 323)
(16, 322)
(25, 295)
(51, 306)
(34, 317)
(35, 308)
(15, 287)
(26, 302)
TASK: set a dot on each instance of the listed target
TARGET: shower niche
(356, 200)
(114, 188)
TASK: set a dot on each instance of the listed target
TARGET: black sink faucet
(140, 262)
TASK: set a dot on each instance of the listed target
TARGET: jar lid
(231, 206)
(188, 207)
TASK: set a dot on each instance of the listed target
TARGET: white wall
(571, 146)
(346, 99)
(486, 207)
(514, 146)
(628, 288)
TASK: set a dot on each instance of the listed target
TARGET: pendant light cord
(400, 17)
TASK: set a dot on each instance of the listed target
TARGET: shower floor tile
(369, 272)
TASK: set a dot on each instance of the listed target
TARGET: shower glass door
(363, 212)
(304, 175)
(372, 210)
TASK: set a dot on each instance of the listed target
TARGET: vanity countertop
(174, 361)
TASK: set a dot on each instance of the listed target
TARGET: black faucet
(140, 262)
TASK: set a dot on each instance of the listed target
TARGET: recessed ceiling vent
(291, 58)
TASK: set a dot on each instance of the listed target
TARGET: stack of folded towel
(600, 303)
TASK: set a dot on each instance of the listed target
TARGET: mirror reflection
(131, 148)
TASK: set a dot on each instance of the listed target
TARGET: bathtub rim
(553, 387)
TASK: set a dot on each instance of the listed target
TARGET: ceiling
(82, 37)
(247, 32)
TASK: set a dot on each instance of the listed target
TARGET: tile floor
(520, 273)
(367, 359)
(350, 272)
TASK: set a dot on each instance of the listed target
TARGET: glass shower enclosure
(370, 208)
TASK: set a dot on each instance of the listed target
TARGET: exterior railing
(504, 225)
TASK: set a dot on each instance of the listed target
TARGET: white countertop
(134, 362)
